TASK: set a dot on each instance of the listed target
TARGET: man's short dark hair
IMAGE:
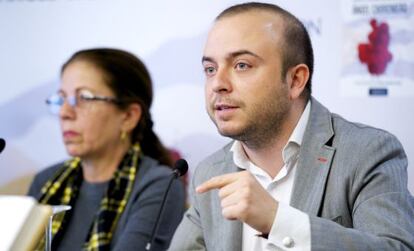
(296, 45)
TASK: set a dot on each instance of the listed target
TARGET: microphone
(180, 168)
(3, 145)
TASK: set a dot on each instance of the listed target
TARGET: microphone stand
(155, 228)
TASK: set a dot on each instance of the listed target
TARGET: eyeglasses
(81, 99)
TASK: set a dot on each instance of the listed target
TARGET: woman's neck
(101, 168)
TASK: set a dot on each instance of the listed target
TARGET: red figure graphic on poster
(375, 53)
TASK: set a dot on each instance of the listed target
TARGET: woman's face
(91, 127)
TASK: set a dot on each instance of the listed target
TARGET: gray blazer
(136, 222)
(351, 180)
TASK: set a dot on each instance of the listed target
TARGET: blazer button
(288, 242)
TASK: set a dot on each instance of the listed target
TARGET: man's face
(246, 96)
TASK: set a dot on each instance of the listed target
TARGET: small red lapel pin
(322, 159)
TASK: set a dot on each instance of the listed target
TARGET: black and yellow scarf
(64, 187)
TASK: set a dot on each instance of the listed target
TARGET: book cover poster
(378, 48)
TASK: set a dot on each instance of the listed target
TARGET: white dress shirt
(291, 227)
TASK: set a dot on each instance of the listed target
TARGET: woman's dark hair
(129, 79)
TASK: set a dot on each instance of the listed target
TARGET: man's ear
(132, 117)
(297, 78)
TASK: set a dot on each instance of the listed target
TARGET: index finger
(217, 182)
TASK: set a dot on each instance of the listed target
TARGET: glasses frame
(56, 101)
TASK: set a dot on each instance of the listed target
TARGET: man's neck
(269, 158)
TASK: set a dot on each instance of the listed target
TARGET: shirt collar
(290, 150)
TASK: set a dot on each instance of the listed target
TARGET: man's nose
(222, 81)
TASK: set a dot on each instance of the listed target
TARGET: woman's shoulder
(49, 171)
(42, 177)
(152, 173)
(152, 179)
(152, 169)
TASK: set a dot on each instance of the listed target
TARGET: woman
(117, 176)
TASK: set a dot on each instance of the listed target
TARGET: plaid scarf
(64, 187)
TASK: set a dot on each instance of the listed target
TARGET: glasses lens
(85, 95)
(54, 103)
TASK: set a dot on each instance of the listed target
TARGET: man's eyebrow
(232, 55)
(243, 52)
(207, 59)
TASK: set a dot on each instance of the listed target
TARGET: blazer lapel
(314, 162)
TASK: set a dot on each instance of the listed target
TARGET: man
(296, 177)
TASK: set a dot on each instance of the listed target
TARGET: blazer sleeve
(382, 208)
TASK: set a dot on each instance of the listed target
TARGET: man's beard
(265, 122)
